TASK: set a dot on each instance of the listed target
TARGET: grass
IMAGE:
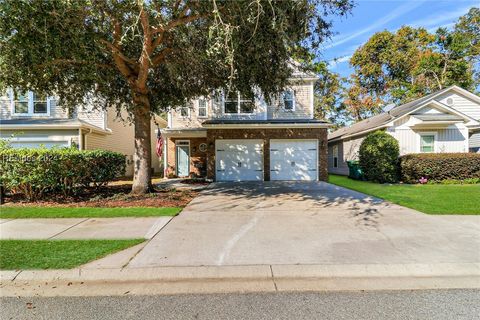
(429, 198)
(11, 212)
(56, 254)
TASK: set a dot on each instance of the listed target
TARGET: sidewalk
(256, 278)
(81, 228)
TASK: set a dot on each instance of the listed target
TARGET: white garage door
(293, 159)
(239, 160)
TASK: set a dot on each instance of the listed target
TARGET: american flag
(159, 148)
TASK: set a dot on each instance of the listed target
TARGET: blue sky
(371, 16)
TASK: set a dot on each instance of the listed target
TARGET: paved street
(431, 305)
(276, 223)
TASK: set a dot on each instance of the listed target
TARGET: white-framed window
(288, 100)
(236, 103)
(335, 156)
(202, 108)
(29, 103)
(185, 111)
(427, 142)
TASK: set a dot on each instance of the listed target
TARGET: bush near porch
(378, 157)
(37, 172)
(437, 167)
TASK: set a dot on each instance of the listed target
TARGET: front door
(183, 159)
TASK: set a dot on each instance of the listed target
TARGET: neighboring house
(29, 120)
(240, 138)
(444, 121)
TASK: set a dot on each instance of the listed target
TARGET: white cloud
(442, 19)
(407, 7)
(334, 62)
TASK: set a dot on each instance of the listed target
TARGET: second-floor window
(202, 108)
(236, 103)
(185, 111)
(288, 100)
(29, 103)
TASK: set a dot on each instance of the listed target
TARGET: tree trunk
(142, 158)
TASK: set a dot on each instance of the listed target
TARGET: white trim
(165, 157)
(179, 133)
(467, 139)
(176, 155)
(239, 113)
(206, 108)
(294, 100)
(335, 155)
(312, 102)
(53, 126)
(436, 103)
(169, 118)
(427, 133)
(30, 105)
(268, 125)
(188, 112)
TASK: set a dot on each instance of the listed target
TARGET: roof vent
(450, 101)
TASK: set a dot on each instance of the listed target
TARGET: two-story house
(444, 121)
(30, 120)
(234, 137)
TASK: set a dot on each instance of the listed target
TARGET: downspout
(85, 136)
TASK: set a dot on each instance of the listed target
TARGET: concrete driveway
(306, 223)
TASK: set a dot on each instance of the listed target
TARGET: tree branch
(147, 50)
(160, 57)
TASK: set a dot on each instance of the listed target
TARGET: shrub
(35, 172)
(437, 167)
(378, 157)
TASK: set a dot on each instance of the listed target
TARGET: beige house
(233, 137)
(444, 121)
(29, 120)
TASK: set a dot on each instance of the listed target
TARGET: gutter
(268, 125)
(53, 126)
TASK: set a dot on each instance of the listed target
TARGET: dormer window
(29, 103)
(288, 100)
(236, 103)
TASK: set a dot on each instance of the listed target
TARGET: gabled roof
(381, 120)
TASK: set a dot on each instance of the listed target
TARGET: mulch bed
(109, 197)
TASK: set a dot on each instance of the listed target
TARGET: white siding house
(27, 121)
(447, 121)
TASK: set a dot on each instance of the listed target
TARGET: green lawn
(430, 198)
(56, 254)
(7, 212)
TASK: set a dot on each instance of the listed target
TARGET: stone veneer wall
(266, 135)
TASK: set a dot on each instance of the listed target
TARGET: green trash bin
(354, 170)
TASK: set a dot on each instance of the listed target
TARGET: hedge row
(35, 172)
(439, 166)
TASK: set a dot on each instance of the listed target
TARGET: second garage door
(293, 159)
(239, 160)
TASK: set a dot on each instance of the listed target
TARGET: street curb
(253, 272)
